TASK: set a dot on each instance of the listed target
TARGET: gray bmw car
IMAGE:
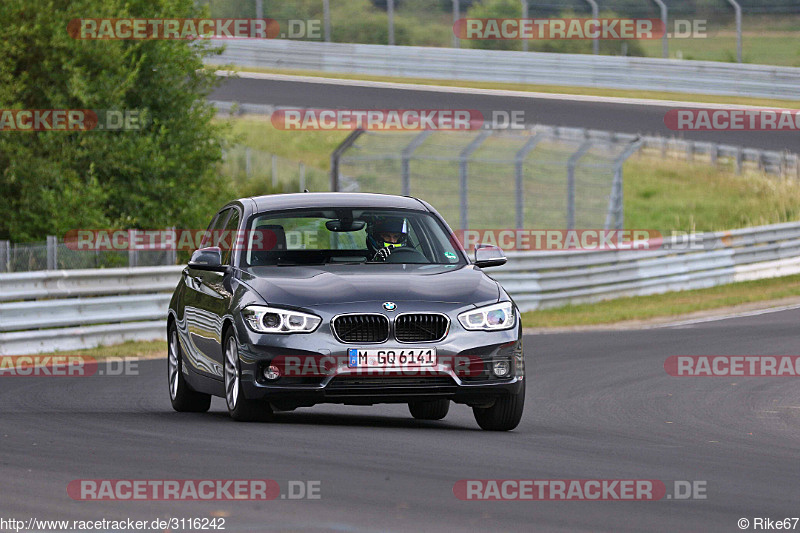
(300, 299)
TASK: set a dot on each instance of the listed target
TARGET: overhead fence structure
(71, 310)
(538, 68)
(549, 177)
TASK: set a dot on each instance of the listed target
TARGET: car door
(207, 300)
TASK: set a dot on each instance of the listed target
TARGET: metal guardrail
(616, 72)
(73, 309)
(70, 310)
(539, 280)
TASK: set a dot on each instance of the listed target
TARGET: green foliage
(161, 175)
(511, 9)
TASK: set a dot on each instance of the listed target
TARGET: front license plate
(391, 358)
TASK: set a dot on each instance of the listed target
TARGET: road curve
(578, 112)
(600, 406)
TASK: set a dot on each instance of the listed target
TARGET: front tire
(430, 410)
(504, 415)
(240, 408)
(184, 399)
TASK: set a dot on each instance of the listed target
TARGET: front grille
(361, 328)
(420, 327)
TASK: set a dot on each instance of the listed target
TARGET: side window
(211, 235)
(230, 237)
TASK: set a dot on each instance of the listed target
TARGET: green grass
(661, 194)
(142, 349)
(669, 304)
(758, 48)
(549, 89)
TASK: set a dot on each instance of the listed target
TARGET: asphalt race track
(599, 406)
(619, 117)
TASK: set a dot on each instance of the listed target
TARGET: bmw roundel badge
(389, 306)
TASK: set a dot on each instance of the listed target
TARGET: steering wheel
(402, 255)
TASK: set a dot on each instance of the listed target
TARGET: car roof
(335, 199)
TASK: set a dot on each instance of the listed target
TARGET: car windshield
(349, 235)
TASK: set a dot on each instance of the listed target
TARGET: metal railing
(615, 72)
(70, 310)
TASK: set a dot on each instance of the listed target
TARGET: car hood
(310, 286)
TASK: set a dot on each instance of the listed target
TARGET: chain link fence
(255, 172)
(543, 177)
(55, 254)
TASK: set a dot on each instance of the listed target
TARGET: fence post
(274, 171)
(571, 164)
(739, 160)
(171, 256)
(463, 162)
(302, 177)
(5, 256)
(519, 159)
(595, 16)
(405, 161)
(525, 15)
(259, 9)
(714, 153)
(337, 154)
(248, 161)
(616, 211)
(664, 43)
(390, 14)
(52, 252)
(133, 255)
(738, 9)
(326, 14)
(456, 16)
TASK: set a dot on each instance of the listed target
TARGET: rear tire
(429, 410)
(183, 398)
(240, 408)
(504, 415)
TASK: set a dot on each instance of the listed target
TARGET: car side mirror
(208, 259)
(488, 255)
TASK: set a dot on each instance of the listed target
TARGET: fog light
(501, 368)
(272, 373)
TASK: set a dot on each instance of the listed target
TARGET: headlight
(489, 318)
(265, 319)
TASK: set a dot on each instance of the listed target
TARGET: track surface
(599, 406)
(623, 118)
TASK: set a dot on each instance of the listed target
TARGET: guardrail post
(714, 153)
(571, 164)
(248, 161)
(337, 154)
(689, 150)
(274, 170)
(456, 16)
(664, 43)
(738, 9)
(405, 162)
(52, 252)
(326, 14)
(595, 15)
(463, 162)
(5, 256)
(519, 159)
(390, 13)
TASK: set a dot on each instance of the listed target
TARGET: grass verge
(138, 349)
(669, 304)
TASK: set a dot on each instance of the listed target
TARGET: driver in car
(386, 235)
